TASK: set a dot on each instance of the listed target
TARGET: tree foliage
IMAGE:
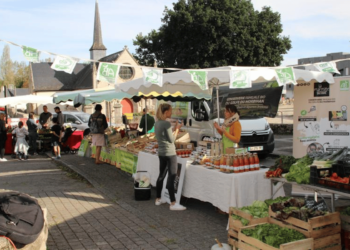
(212, 33)
(16, 73)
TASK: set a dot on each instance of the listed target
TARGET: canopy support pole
(5, 105)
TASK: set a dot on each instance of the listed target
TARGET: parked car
(76, 119)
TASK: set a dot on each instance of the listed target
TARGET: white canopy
(24, 99)
(181, 81)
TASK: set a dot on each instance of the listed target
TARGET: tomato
(334, 175)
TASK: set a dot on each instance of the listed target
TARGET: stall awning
(24, 99)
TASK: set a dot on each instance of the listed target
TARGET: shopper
(150, 122)
(167, 154)
(33, 134)
(44, 118)
(98, 124)
(60, 120)
(21, 146)
(56, 138)
(3, 136)
(231, 129)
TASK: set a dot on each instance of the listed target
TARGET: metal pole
(110, 114)
(218, 103)
(146, 116)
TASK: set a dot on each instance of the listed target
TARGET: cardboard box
(182, 145)
(236, 150)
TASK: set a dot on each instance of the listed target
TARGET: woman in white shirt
(21, 143)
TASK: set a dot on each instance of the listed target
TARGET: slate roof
(47, 79)
(19, 92)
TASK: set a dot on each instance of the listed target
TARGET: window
(126, 73)
(198, 111)
(70, 119)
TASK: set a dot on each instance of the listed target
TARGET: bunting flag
(153, 76)
(200, 78)
(66, 64)
(330, 67)
(240, 79)
(285, 75)
(32, 55)
(108, 72)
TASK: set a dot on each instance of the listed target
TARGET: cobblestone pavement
(105, 215)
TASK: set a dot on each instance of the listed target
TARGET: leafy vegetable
(346, 211)
(284, 162)
(300, 171)
(273, 235)
(269, 202)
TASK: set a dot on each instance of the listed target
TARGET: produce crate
(345, 231)
(233, 238)
(249, 243)
(236, 224)
(329, 222)
(317, 180)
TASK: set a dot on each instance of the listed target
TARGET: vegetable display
(336, 178)
(273, 235)
(258, 209)
(284, 162)
(297, 208)
(300, 171)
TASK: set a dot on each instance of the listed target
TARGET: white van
(256, 135)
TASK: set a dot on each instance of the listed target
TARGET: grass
(74, 175)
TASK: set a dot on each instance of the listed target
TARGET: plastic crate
(317, 180)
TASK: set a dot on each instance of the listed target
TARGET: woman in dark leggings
(3, 136)
(167, 155)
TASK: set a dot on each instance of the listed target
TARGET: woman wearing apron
(231, 129)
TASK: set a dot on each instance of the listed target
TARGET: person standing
(60, 119)
(56, 138)
(98, 124)
(21, 143)
(44, 118)
(33, 134)
(150, 122)
(3, 136)
(232, 129)
(167, 155)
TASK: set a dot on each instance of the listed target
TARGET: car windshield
(83, 117)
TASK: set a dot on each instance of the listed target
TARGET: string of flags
(108, 72)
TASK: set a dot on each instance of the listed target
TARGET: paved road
(106, 216)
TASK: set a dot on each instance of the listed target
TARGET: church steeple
(97, 50)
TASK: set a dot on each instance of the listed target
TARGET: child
(21, 143)
(56, 138)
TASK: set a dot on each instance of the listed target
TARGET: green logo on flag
(200, 78)
(65, 64)
(303, 112)
(285, 75)
(327, 67)
(344, 85)
(108, 72)
(31, 54)
(240, 79)
(153, 76)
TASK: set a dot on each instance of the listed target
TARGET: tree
(212, 33)
(21, 70)
(7, 75)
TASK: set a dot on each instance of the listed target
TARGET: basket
(142, 193)
(317, 180)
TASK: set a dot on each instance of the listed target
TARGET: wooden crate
(232, 238)
(345, 226)
(330, 222)
(345, 231)
(236, 224)
(249, 243)
(332, 242)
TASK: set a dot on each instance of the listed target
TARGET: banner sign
(83, 147)
(128, 162)
(256, 102)
(179, 109)
(240, 79)
(200, 78)
(108, 72)
(93, 152)
(115, 160)
(153, 76)
(66, 64)
(330, 67)
(285, 75)
(32, 55)
(321, 121)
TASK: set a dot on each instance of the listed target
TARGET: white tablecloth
(220, 189)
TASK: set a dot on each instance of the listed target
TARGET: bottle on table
(257, 162)
(246, 163)
(251, 163)
(241, 163)
(236, 167)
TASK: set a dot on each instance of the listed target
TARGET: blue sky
(316, 27)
